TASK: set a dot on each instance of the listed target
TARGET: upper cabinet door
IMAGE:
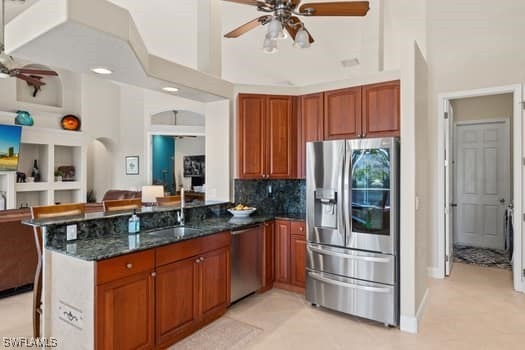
(311, 126)
(342, 114)
(251, 137)
(281, 138)
(381, 109)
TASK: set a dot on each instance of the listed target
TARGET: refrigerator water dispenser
(325, 208)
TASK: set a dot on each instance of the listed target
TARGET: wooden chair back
(53, 211)
(122, 204)
(168, 201)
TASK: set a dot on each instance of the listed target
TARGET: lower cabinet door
(215, 282)
(282, 251)
(125, 313)
(298, 260)
(176, 299)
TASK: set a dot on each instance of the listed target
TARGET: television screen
(194, 166)
(9, 147)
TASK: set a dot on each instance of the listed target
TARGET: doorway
(476, 189)
(482, 185)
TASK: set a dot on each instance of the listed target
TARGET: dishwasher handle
(244, 230)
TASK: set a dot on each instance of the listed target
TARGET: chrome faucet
(180, 215)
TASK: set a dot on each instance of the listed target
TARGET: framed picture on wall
(132, 165)
(194, 166)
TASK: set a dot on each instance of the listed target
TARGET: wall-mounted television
(9, 147)
(194, 166)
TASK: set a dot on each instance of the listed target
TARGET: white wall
(169, 28)
(414, 222)
(219, 144)
(484, 107)
(188, 146)
(470, 45)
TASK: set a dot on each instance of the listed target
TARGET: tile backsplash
(285, 196)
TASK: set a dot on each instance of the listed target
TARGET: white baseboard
(410, 324)
(435, 272)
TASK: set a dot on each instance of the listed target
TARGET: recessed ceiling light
(170, 89)
(101, 70)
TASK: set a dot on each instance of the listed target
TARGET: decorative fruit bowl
(241, 211)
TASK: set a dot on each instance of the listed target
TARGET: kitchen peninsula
(108, 289)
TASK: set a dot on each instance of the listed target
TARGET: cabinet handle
(129, 265)
(201, 258)
(153, 274)
(198, 260)
(301, 228)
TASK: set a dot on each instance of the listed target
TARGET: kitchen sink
(180, 231)
(184, 230)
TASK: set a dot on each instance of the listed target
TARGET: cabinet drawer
(298, 228)
(125, 265)
(186, 249)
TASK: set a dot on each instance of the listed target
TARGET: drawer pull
(153, 274)
(198, 260)
(348, 285)
(201, 258)
(347, 256)
(129, 265)
(301, 228)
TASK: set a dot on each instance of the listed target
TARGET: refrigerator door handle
(320, 278)
(348, 256)
(347, 193)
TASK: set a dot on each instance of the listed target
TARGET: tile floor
(476, 308)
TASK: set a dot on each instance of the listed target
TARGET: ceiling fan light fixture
(269, 45)
(275, 29)
(302, 39)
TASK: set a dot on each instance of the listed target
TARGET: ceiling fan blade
(345, 8)
(292, 27)
(30, 80)
(36, 71)
(247, 2)
(248, 26)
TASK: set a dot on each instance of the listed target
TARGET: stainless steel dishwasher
(246, 261)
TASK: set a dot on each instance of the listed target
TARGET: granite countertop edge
(114, 245)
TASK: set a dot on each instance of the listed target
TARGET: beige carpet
(223, 334)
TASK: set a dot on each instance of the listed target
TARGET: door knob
(502, 200)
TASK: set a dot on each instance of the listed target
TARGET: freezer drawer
(352, 263)
(370, 300)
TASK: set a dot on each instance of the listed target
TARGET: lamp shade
(150, 193)
(269, 45)
(275, 29)
(302, 39)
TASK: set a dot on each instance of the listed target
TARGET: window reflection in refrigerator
(371, 191)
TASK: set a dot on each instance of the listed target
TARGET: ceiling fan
(283, 16)
(33, 77)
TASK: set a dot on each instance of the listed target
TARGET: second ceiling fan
(283, 17)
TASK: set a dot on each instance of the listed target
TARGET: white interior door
(482, 183)
(449, 209)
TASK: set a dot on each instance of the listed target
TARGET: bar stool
(122, 204)
(46, 212)
(168, 201)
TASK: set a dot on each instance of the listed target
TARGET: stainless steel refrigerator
(352, 199)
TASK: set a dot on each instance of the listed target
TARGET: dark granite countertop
(119, 244)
